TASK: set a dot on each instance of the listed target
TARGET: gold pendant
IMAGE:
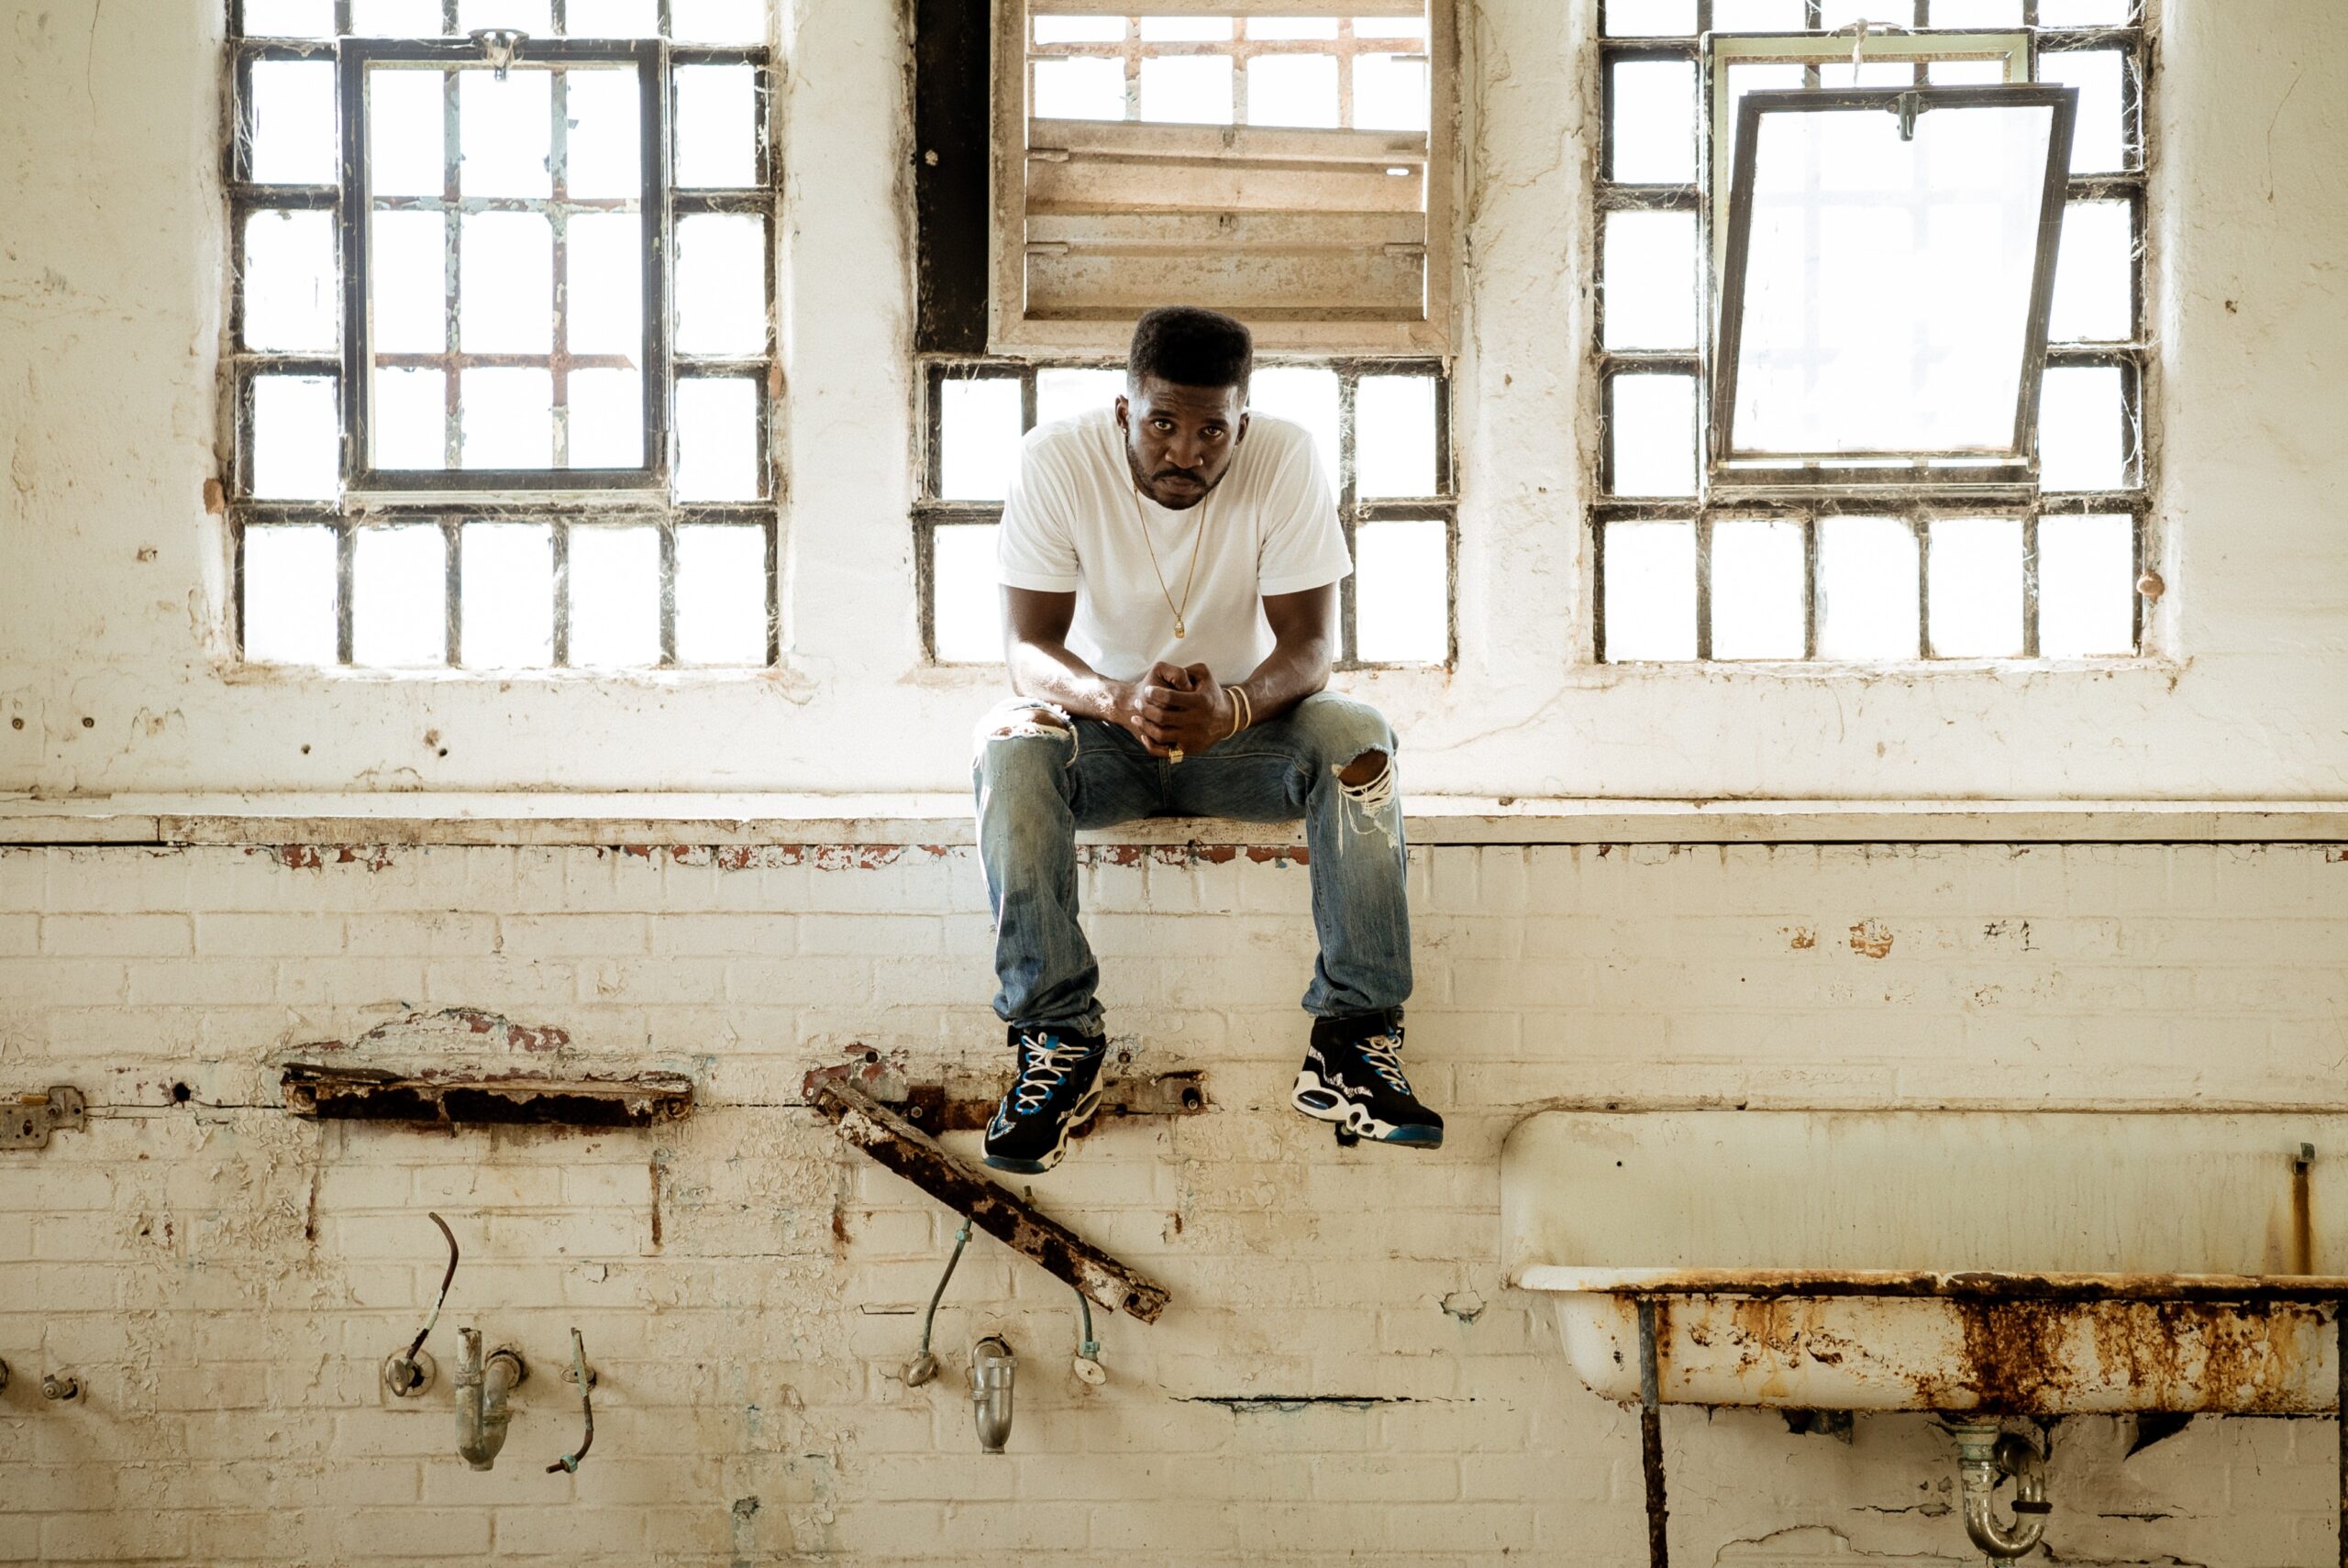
(1178, 627)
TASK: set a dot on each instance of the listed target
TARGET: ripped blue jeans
(1038, 777)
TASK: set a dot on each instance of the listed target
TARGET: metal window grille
(1418, 586)
(1251, 38)
(340, 558)
(1662, 587)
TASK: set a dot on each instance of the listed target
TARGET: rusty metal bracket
(890, 1140)
(963, 1101)
(1651, 1437)
(372, 1094)
(38, 1112)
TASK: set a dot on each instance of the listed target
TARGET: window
(1690, 567)
(502, 333)
(1384, 432)
(1290, 166)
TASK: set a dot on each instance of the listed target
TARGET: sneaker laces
(1380, 1051)
(1044, 1069)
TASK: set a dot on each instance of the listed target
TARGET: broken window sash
(1889, 270)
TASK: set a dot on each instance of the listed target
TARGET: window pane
(1306, 27)
(604, 294)
(1401, 593)
(1743, 79)
(612, 18)
(532, 17)
(1867, 589)
(606, 419)
(1650, 280)
(289, 607)
(506, 273)
(2082, 436)
(2087, 586)
(1653, 140)
(506, 418)
(1757, 565)
(508, 612)
(602, 137)
(1965, 72)
(1079, 90)
(977, 432)
(722, 285)
(503, 133)
(614, 596)
(717, 438)
(1292, 90)
(1394, 436)
(1389, 92)
(721, 595)
(399, 596)
(966, 606)
(1650, 18)
(407, 132)
(297, 438)
(718, 21)
(2095, 278)
(1977, 13)
(1757, 16)
(289, 18)
(1843, 13)
(1887, 311)
(717, 125)
(1307, 395)
(409, 422)
(1391, 28)
(1187, 89)
(1650, 604)
(291, 300)
(296, 139)
(1185, 29)
(2085, 13)
(395, 18)
(1080, 29)
(1975, 572)
(1652, 428)
(408, 288)
(2097, 143)
(1065, 393)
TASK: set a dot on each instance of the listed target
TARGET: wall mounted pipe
(482, 1389)
(992, 1367)
(1984, 1457)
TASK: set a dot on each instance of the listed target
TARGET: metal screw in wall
(61, 1386)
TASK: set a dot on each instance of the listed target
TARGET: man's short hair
(1191, 347)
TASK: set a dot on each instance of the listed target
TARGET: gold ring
(1174, 756)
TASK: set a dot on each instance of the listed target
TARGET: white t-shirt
(1072, 523)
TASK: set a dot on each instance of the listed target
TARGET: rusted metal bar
(1766, 1285)
(896, 1145)
(367, 1094)
(2339, 1327)
(964, 1102)
(1651, 1439)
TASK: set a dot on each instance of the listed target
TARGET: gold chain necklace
(1182, 611)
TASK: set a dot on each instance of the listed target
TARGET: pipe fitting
(992, 1367)
(1984, 1456)
(61, 1386)
(481, 1388)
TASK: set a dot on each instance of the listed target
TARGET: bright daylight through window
(470, 431)
(1911, 264)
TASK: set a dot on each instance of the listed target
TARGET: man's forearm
(1050, 673)
(1293, 672)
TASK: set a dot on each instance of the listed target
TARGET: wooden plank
(1361, 284)
(1223, 231)
(1106, 186)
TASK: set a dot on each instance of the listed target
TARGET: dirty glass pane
(1757, 16)
(1650, 604)
(1965, 72)
(1871, 73)
(1650, 281)
(1185, 29)
(1192, 89)
(1835, 13)
(718, 21)
(506, 419)
(614, 596)
(1757, 564)
(1391, 28)
(612, 18)
(506, 621)
(506, 273)
(1888, 283)
(288, 18)
(1977, 13)
(2095, 276)
(1867, 589)
(606, 419)
(717, 125)
(1306, 27)
(1307, 395)
(717, 438)
(407, 132)
(1064, 393)
(1292, 90)
(395, 18)
(1650, 18)
(2098, 143)
(1394, 436)
(604, 143)
(409, 421)
(399, 595)
(533, 17)
(1389, 92)
(1080, 89)
(2082, 429)
(504, 134)
(296, 138)
(967, 607)
(289, 608)
(721, 595)
(2087, 586)
(1976, 578)
(407, 289)
(722, 284)
(291, 298)
(1653, 140)
(603, 303)
(1401, 593)
(1080, 29)
(297, 438)
(1650, 425)
(977, 432)
(2085, 13)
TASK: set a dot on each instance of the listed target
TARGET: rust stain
(314, 857)
(660, 1165)
(1871, 939)
(1804, 938)
(2302, 1214)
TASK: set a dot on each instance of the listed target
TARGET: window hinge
(1908, 105)
(37, 1113)
(499, 46)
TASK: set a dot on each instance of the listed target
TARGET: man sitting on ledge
(1170, 568)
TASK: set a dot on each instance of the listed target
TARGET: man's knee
(1363, 770)
(1348, 735)
(1014, 722)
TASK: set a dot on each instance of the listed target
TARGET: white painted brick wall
(226, 1279)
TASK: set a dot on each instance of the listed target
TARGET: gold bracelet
(1243, 715)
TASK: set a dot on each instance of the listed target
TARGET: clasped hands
(1176, 710)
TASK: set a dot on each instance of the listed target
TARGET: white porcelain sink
(2009, 1261)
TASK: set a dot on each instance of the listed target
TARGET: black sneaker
(1057, 1091)
(1353, 1077)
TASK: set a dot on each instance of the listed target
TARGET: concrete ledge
(549, 819)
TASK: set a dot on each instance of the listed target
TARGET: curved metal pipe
(481, 1388)
(992, 1367)
(1984, 1456)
